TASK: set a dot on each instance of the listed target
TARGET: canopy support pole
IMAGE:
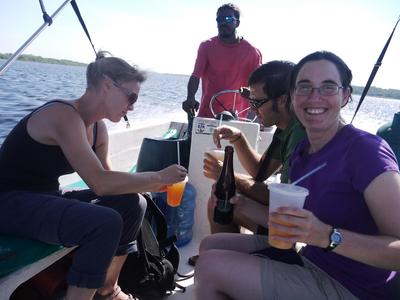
(5, 66)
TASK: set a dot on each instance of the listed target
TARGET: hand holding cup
(283, 194)
(212, 163)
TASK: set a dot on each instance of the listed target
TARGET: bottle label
(223, 205)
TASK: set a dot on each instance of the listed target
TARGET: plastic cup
(175, 192)
(217, 153)
(284, 194)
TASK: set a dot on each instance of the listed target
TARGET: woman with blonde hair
(62, 137)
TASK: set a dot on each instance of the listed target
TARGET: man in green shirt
(270, 101)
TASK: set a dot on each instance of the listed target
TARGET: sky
(164, 35)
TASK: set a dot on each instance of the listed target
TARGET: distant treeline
(378, 92)
(373, 91)
(30, 57)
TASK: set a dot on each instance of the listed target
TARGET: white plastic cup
(284, 194)
(217, 153)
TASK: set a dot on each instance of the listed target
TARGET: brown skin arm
(190, 105)
(245, 184)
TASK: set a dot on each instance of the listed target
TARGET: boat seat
(21, 259)
(16, 253)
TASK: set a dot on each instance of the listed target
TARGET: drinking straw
(179, 153)
(309, 173)
(220, 120)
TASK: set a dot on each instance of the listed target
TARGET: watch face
(336, 237)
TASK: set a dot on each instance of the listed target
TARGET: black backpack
(152, 272)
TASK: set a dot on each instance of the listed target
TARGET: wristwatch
(336, 239)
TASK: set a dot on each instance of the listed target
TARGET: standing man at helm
(223, 62)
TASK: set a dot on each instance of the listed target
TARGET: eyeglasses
(226, 19)
(326, 89)
(257, 103)
(132, 96)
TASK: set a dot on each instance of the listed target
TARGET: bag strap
(166, 245)
(159, 217)
(143, 252)
(160, 222)
(183, 277)
(78, 14)
(181, 287)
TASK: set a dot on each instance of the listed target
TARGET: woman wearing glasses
(351, 217)
(62, 137)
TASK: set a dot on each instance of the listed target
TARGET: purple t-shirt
(354, 158)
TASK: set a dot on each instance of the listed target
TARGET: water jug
(179, 219)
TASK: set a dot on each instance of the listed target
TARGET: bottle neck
(227, 167)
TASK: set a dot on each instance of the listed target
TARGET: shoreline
(357, 90)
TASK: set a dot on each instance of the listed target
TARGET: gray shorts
(290, 281)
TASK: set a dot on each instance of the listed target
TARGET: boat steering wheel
(233, 114)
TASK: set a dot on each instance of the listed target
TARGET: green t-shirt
(282, 146)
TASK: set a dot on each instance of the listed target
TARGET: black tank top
(29, 165)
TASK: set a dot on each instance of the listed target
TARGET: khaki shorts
(287, 281)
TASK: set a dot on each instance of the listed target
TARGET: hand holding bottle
(225, 189)
(225, 132)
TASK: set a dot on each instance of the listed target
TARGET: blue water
(26, 85)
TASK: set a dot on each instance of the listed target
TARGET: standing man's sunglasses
(226, 19)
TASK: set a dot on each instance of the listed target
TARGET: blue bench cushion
(16, 253)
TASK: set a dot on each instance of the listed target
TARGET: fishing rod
(375, 70)
(47, 22)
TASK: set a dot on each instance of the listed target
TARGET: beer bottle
(225, 190)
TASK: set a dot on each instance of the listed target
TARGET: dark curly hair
(235, 8)
(275, 77)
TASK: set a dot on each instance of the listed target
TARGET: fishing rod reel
(232, 114)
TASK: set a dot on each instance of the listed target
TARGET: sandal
(192, 260)
(112, 295)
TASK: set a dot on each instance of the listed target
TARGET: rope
(78, 14)
(47, 19)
